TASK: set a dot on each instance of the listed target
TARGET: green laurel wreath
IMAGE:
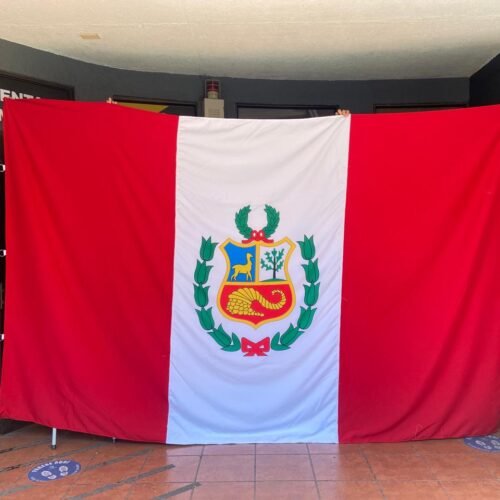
(282, 342)
(279, 342)
(227, 342)
(241, 221)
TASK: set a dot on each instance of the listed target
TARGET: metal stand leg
(114, 440)
(53, 445)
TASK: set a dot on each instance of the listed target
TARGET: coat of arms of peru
(257, 288)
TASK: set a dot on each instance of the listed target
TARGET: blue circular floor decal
(484, 443)
(54, 470)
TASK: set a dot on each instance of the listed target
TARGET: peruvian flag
(191, 280)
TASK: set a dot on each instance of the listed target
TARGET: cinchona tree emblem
(257, 288)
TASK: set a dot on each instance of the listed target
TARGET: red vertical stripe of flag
(420, 328)
(73, 361)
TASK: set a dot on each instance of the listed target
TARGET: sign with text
(18, 87)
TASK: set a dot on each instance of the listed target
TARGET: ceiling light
(90, 36)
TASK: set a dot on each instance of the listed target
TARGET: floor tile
(26, 455)
(490, 461)
(283, 467)
(14, 477)
(71, 445)
(28, 431)
(224, 491)
(9, 441)
(184, 469)
(400, 467)
(118, 493)
(470, 490)
(443, 446)
(281, 449)
(184, 450)
(333, 449)
(347, 490)
(43, 491)
(151, 490)
(347, 467)
(109, 450)
(286, 490)
(161, 456)
(226, 468)
(388, 448)
(83, 489)
(456, 466)
(164, 456)
(112, 473)
(413, 490)
(101, 468)
(229, 449)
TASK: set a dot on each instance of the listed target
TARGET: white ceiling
(283, 39)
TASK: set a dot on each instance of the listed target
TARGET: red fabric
(420, 326)
(90, 208)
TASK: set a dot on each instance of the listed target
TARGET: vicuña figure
(243, 269)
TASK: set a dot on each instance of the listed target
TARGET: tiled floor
(423, 470)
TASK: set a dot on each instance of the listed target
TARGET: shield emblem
(257, 287)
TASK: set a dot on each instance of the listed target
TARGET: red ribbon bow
(257, 236)
(255, 348)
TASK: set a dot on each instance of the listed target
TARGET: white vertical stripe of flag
(300, 168)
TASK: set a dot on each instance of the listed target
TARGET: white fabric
(300, 168)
